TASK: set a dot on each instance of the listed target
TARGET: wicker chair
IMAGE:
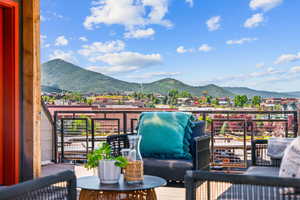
(170, 169)
(260, 181)
(59, 186)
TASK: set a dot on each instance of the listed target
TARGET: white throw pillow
(290, 164)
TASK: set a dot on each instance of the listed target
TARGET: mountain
(50, 89)
(250, 92)
(59, 75)
(297, 94)
(164, 85)
(67, 76)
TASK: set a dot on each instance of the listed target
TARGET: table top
(93, 183)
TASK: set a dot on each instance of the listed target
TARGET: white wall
(46, 138)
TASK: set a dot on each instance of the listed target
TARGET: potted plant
(109, 167)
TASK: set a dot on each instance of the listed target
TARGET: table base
(118, 195)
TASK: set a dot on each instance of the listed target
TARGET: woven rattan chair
(260, 181)
(173, 170)
(61, 186)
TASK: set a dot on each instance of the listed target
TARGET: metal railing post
(124, 122)
(55, 137)
(62, 141)
(93, 134)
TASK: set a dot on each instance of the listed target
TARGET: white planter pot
(108, 173)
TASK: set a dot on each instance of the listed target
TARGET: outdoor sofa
(61, 186)
(261, 181)
(173, 170)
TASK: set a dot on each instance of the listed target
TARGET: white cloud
(112, 69)
(154, 74)
(182, 49)
(254, 21)
(129, 13)
(130, 59)
(83, 39)
(205, 48)
(61, 41)
(140, 33)
(240, 41)
(125, 62)
(285, 58)
(190, 2)
(42, 18)
(65, 55)
(264, 4)
(295, 69)
(98, 48)
(260, 65)
(43, 40)
(213, 23)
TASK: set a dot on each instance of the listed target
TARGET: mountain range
(59, 75)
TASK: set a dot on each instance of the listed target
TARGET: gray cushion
(246, 192)
(263, 171)
(167, 168)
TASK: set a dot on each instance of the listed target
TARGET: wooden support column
(31, 163)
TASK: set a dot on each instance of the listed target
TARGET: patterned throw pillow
(290, 165)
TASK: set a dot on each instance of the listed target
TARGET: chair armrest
(202, 154)
(259, 154)
(237, 186)
(58, 186)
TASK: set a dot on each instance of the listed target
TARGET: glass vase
(134, 171)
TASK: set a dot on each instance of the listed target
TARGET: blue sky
(251, 43)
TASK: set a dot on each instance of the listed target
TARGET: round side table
(92, 189)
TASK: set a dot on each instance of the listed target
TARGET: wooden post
(9, 93)
(31, 163)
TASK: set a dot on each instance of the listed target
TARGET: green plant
(104, 153)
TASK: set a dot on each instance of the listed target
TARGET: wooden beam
(31, 165)
(10, 98)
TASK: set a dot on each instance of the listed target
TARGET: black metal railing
(79, 132)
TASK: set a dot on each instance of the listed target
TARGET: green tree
(215, 101)
(240, 100)
(208, 99)
(185, 94)
(256, 100)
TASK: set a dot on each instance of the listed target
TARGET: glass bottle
(134, 172)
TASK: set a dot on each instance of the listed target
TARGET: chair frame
(200, 160)
(195, 178)
(18, 191)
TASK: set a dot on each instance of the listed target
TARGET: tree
(208, 99)
(215, 101)
(256, 100)
(185, 94)
(240, 100)
(173, 93)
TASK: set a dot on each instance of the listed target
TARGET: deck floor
(163, 193)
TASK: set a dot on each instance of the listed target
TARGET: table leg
(113, 195)
(151, 195)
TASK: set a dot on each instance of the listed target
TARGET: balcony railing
(78, 132)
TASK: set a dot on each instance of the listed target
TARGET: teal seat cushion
(165, 134)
